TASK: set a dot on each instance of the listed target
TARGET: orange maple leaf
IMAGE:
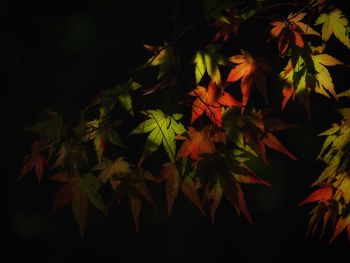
(210, 100)
(251, 71)
(196, 142)
(289, 32)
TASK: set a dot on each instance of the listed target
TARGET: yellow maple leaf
(334, 23)
(324, 82)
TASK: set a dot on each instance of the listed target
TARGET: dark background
(57, 57)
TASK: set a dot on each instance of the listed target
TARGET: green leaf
(91, 188)
(334, 23)
(208, 61)
(199, 66)
(162, 129)
(163, 57)
(120, 94)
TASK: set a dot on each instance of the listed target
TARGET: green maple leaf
(335, 150)
(163, 58)
(162, 129)
(209, 61)
(334, 23)
(306, 73)
(120, 94)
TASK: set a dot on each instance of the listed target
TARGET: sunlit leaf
(322, 194)
(195, 143)
(163, 57)
(251, 72)
(162, 129)
(210, 101)
(335, 23)
(208, 62)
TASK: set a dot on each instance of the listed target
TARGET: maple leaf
(209, 61)
(251, 72)
(171, 174)
(133, 186)
(335, 23)
(334, 149)
(162, 129)
(215, 197)
(35, 161)
(227, 25)
(289, 32)
(341, 225)
(221, 175)
(80, 191)
(190, 188)
(195, 143)
(322, 194)
(180, 175)
(324, 81)
(210, 101)
(163, 57)
(100, 131)
(113, 171)
(135, 208)
(120, 94)
(308, 73)
(254, 130)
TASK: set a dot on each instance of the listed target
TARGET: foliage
(205, 156)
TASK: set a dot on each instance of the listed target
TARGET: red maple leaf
(322, 194)
(196, 142)
(210, 101)
(36, 160)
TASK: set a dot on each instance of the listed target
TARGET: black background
(57, 57)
